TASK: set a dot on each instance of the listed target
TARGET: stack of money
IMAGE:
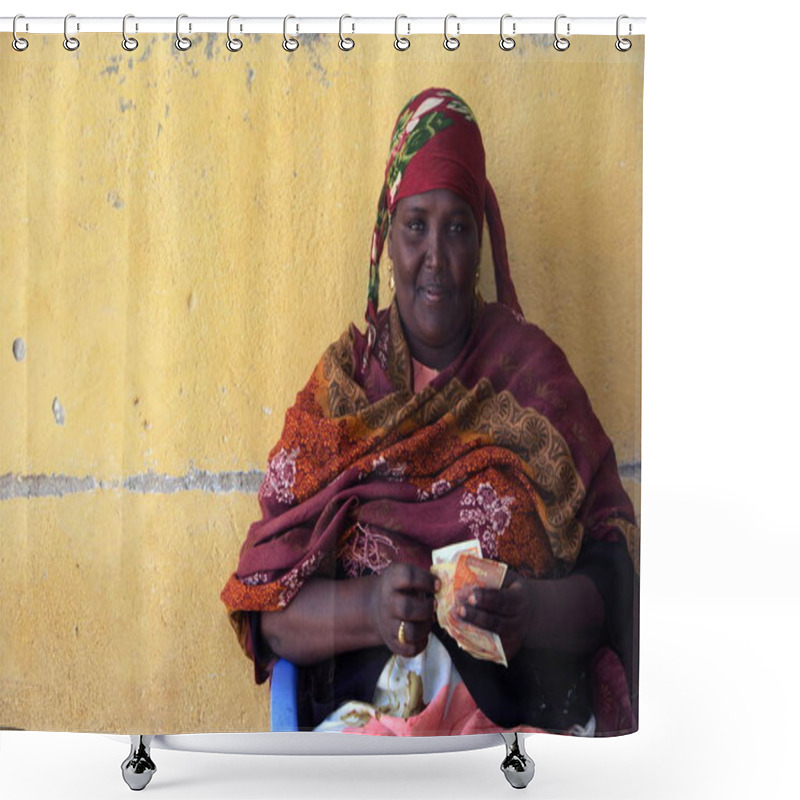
(460, 568)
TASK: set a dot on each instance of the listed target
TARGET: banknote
(460, 568)
(444, 565)
(450, 554)
(445, 598)
(471, 572)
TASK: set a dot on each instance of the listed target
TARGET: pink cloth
(460, 717)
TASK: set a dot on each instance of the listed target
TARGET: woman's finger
(487, 620)
(508, 602)
(411, 607)
(410, 578)
(492, 601)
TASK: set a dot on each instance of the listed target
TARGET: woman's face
(433, 243)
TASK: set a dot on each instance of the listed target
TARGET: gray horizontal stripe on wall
(631, 471)
(196, 480)
(149, 483)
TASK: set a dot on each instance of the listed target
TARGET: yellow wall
(181, 235)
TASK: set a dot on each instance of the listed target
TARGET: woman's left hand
(507, 611)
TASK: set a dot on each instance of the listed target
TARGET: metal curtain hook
(233, 44)
(451, 42)
(560, 43)
(181, 42)
(400, 42)
(506, 42)
(128, 43)
(623, 45)
(345, 43)
(19, 44)
(290, 44)
(70, 42)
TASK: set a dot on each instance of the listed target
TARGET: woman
(450, 419)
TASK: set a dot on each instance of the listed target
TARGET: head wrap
(437, 144)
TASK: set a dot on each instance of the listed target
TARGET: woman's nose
(434, 255)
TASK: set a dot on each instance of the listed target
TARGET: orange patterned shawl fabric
(502, 446)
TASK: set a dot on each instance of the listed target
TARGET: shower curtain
(184, 234)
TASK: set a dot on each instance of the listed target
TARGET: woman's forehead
(434, 200)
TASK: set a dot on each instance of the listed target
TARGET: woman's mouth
(433, 294)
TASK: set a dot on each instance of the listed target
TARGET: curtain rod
(406, 26)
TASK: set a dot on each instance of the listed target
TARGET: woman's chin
(446, 337)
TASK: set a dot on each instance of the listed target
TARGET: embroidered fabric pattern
(392, 472)
(280, 478)
(487, 516)
(438, 489)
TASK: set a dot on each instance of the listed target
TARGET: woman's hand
(565, 614)
(508, 611)
(404, 594)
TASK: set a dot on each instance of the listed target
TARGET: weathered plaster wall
(181, 235)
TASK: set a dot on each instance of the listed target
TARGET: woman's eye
(416, 225)
(457, 227)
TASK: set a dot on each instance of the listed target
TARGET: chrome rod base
(518, 766)
(138, 768)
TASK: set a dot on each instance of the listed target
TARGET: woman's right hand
(404, 593)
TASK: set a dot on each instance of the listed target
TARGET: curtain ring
(451, 42)
(623, 45)
(18, 43)
(506, 42)
(560, 43)
(128, 43)
(181, 42)
(233, 44)
(290, 44)
(400, 42)
(345, 43)
(70, 42)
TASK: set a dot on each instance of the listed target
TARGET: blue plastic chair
(283, 697)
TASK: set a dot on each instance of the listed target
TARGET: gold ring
(401, 633)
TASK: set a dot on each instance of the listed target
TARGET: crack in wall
(196, 480)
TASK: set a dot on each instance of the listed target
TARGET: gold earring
(391, 277)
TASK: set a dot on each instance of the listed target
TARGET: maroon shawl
(502, 446)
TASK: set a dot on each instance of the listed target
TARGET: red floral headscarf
(437, 144)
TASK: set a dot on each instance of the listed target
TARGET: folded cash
(450, 554)
(461, 568)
